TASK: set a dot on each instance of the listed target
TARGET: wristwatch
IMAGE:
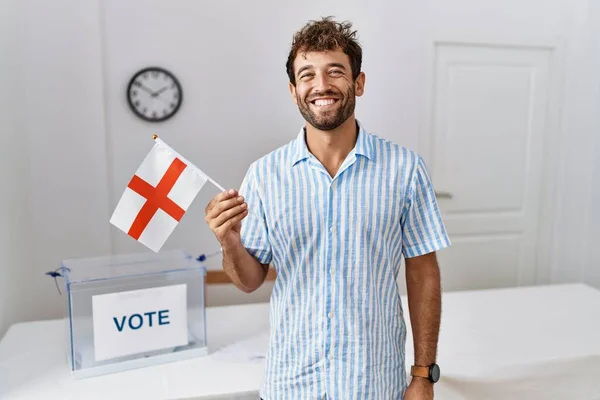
(431, 372)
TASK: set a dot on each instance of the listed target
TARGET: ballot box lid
(78, 270)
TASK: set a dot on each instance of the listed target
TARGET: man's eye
(305, 76)
(336, 72)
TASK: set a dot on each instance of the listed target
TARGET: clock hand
(145, 89)
(161, 99)
(155, 94)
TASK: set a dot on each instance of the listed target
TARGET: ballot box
(133, 310)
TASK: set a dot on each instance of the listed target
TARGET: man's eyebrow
(304, 68)
(337, 65)
(309, 66)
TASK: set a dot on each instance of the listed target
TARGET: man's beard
(326, 121)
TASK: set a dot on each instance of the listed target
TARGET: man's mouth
(324, 102)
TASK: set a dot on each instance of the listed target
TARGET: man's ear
(359, 84)
(293, 92)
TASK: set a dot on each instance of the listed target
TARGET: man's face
(325, 92)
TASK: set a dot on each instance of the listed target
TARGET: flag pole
(211, 180)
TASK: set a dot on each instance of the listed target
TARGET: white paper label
(139, 320)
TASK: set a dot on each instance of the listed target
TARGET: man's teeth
(324, 102)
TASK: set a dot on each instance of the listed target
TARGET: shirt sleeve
(422, 225)
(254, 232)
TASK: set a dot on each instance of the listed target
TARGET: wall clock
(154, 94)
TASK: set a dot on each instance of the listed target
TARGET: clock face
(154, 94)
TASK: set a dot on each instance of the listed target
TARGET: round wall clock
(154, 94)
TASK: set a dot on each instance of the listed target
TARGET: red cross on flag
(158, 196)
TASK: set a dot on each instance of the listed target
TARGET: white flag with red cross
(158, 195)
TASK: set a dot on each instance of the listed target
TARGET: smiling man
(334, 211)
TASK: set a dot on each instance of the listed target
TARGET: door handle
(443, 195)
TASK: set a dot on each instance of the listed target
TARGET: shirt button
(330, 315)
(331, 229)
(331, 356)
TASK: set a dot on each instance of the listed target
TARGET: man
(333, 211)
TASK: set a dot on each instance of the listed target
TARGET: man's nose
(322, 83)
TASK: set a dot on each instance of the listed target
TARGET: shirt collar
(362, 147)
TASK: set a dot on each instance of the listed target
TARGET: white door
(488, 118)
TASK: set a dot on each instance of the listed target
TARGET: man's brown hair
(326, 35)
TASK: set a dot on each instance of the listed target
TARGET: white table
(533, 342)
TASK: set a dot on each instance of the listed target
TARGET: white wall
(591, 250)
(575, 212)
(83, 143)
(65, 124)
(15, 263)
(59, 127)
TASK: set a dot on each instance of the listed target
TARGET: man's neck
(332, 147)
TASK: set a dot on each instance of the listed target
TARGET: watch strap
(422, 372)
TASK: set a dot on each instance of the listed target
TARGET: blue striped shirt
(337, 329)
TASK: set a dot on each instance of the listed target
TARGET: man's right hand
(224, 214)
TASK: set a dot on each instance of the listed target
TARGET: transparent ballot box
(133, 310)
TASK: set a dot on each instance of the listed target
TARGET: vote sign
(138, 321)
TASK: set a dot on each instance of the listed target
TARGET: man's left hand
(419, 389)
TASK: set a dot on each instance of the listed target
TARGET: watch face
(434, 373)
(154, 94)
